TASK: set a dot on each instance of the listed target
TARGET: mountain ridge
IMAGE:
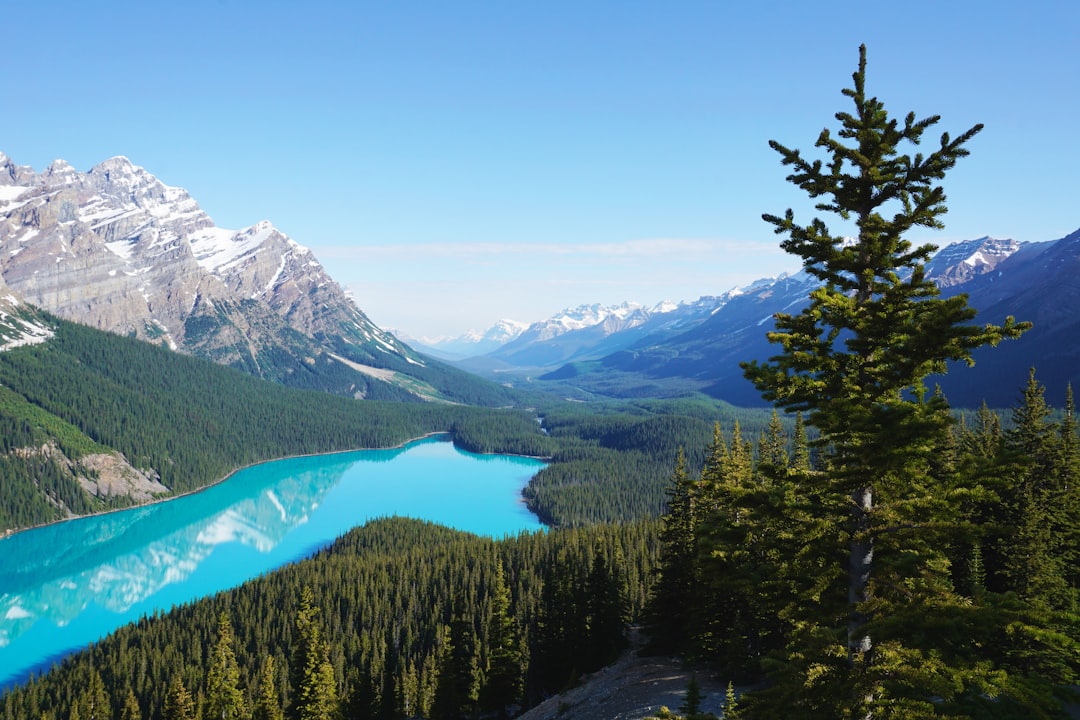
(704, 356)
(117, 249)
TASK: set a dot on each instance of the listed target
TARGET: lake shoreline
(69, 583)
(7, 532)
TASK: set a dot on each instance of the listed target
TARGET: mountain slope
(1040, 283)
(117, 249)
(589, 332)
(1035, 282)
(90, 420)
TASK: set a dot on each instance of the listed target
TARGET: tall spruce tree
(1070, 479)
(855, 360)
(224, 699)
(1032, 498)
(674, 597)
(502, 681)
(268, 703)
(179, 705)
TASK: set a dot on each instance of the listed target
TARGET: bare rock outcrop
(117, 249)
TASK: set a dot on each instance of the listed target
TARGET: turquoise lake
(66, 585)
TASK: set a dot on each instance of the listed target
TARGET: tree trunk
(860, 562)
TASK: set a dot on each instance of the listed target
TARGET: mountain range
(671, 349)
(117, 249)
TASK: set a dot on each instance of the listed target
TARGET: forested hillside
(183, 422)
(399, 618)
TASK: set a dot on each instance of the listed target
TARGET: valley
(148, 354)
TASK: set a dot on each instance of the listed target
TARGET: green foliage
(224, 699)
(268, 702)
(194, 422)
(373, 619)
(856, 360)
(904, 570)
(751, 564)
(178, 704)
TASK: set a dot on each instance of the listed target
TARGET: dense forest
(985, 610)
(193, 422)
(399, 618)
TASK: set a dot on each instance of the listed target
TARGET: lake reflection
(66, 585)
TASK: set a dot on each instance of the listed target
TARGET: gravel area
(633, 688)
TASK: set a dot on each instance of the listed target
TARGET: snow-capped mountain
(637, 334)
(592, 331)
(472, 343)
(117, 249)
(962, 261)
(1032, 281)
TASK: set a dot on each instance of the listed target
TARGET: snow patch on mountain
(11, 192)
(117, 249)
(16, 331)
(961, 261)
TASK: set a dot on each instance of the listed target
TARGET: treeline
(610, 463)
(193, 422)
(975, 613)
(189, 420)
(399, 618)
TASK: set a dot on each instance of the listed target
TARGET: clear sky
(453, 163)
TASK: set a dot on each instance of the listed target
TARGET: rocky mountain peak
(60, 169)
(120, 250)
(959, 262)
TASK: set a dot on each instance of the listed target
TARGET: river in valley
(64, 586)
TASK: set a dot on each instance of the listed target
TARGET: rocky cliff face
(117, 249)
(961, 262)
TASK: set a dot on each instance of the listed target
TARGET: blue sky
(454, 163)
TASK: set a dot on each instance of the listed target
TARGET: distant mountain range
(631, 351)
(470, 344)
(117, 249)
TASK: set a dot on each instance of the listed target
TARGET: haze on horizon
(454, 165)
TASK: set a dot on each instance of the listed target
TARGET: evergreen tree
(459, 681)
(606, 608)
(1070, 481)
(800, 457)
(316, 696)
(179, 705)
(675, 593)
(772, 447)
(268, 704)
(224, 699)
(742, 544)
(1032, 502)
(731, 704)
(692, 703)
(311, 674)
(94, 699)
(502, 681)
(130, 709)
(856, 359)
